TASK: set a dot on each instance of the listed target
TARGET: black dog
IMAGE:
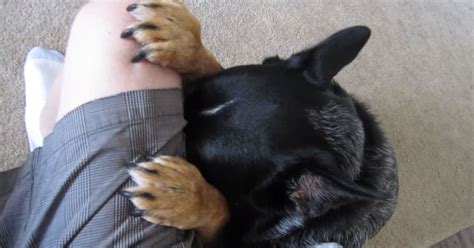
(299, 161)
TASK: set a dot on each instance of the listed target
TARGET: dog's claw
(132, 7)
(144, 158)
(126, 194)
(145, 195)
(137, 212)
(150, 157)
(126, 33)
(140, 55)
(130, 165)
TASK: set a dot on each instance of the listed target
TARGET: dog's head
(298, 142)
(320, 191)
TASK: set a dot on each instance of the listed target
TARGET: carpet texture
(415, 72)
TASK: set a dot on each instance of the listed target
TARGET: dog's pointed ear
(272, 60)
(315, 194)
(322, 62)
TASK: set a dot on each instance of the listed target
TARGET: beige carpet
(416, 73)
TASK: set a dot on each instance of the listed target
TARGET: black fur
(298, 159)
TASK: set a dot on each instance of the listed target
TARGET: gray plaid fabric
(66, 192)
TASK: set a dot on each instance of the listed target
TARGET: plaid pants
(65, 194)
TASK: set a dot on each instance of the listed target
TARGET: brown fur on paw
(170, 36)
(172, 192)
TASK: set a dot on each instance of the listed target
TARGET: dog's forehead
(257, 71)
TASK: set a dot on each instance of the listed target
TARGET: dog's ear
(322, 62)
(316, 193)
(272, 60)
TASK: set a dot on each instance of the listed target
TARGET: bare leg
(98, 63)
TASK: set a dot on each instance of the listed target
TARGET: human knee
(98, 62)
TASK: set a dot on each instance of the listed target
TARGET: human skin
(98, 62)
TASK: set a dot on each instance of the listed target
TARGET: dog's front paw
(170, 36)
(172, 192)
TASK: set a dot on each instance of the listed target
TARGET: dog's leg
(172, 192)
(171, 37)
